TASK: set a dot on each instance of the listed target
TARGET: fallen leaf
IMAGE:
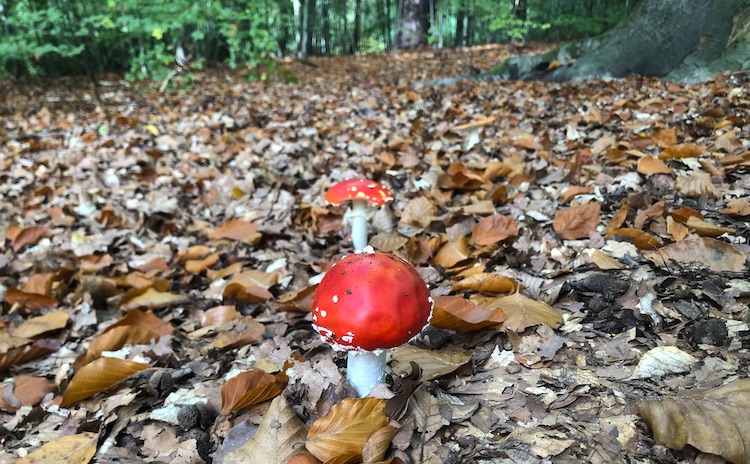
(706, 229)
(40, 325)
(78, 448)
(571, 192)
(29, 301)
(418, 212)
(461, 315)
(486, 283)
(453, 253)
(663, 360)
(696, 184)
(219, 315)
(27, 352)
(388, 241)
(346, 428)
(433, 363)
(248, 388)
(522, 312)
(713, 421)
(493, 229)
(716, 255)
(237, 229)
(641, 239)
(685, 150)
(247, 330)
(577, 222)
(152, 299)
(98, 376)
(196, 266)
(277, 439)
(650, 165)
(27, 236)
(25, 390)
(738, 207)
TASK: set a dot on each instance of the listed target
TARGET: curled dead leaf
(78, 448)
(98, 376)
(716, 255)
(346, 428)
(453, 253)
(713, 421)
(487, 283)
(237, 229)
(461, 315)
(249, 388)
(641, 239)
(493, 229)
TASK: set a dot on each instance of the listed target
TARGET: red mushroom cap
(371, 301)
(359, 189)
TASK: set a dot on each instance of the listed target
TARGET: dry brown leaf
(25, 390)
(453, 253)
(237, 229)
(528, 141)
(27, 351)
(619, 218)
(696, 184)
(577, 222)
(137, 327)
(378, 443)
(248, 388)
(196, 266)
(193, 253)
(388, 241)
(461, 315)
(23, 237)
(251, 286)
(706, 229)
(458, 176)
(246, 331)
(219, 315)
(418, 212)
(521, 312)
(738, 207)
(716, 255)
(90, 264)
(713, 421)
(477, 123)
(641, 239)
(30, 301)
(684, 150)
(650, 165)
(40, 283)
(98, 376)
(487, 283)
(277, 439)
(604, 262)
(676, 230)
(39, 325)
(152, 299)
(296, 300)
(653, 211)
(346, 428)
(79, 448)
(571, 192)
(433, 363)
(493, 229)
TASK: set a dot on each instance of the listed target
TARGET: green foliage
(140, 37)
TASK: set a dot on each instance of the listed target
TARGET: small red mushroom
(366, 303)
(362, 193)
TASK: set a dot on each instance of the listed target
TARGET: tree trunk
(414, 24)
(357, 26)
(682, 39)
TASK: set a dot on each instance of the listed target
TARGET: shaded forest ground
(622, 205)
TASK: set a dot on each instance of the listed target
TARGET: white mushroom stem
(359, 215)
(364, 370)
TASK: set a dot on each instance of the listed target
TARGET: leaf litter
(586, 243)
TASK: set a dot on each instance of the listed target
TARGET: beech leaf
(277, 439)
(78, 448)
(433, 363)
(716, 255)
(713, 421)
(493, 229)
(521, 312)
(459, 314)
(249, 388)
(346, 428)
(577, 221)
(486, 282)
(237, 229)
(98, 376)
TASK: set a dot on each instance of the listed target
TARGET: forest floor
(586, 244)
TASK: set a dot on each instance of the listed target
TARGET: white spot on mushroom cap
(335, 298)
(323, 313)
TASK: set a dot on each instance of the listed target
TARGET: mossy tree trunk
(679, 39)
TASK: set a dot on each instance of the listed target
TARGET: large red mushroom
(365, 196)
(367, 303)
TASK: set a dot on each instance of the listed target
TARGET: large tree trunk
(414, 24)
(681, 39)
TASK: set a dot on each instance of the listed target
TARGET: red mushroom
(366, 303)
(362, 193)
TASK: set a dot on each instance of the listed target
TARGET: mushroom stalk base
(364, 370)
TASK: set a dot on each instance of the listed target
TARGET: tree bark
(681, 39)
(414, 24)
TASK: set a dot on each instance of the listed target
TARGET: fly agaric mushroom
(362, 193)
(367, 303)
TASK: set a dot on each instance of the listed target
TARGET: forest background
(147, 40)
